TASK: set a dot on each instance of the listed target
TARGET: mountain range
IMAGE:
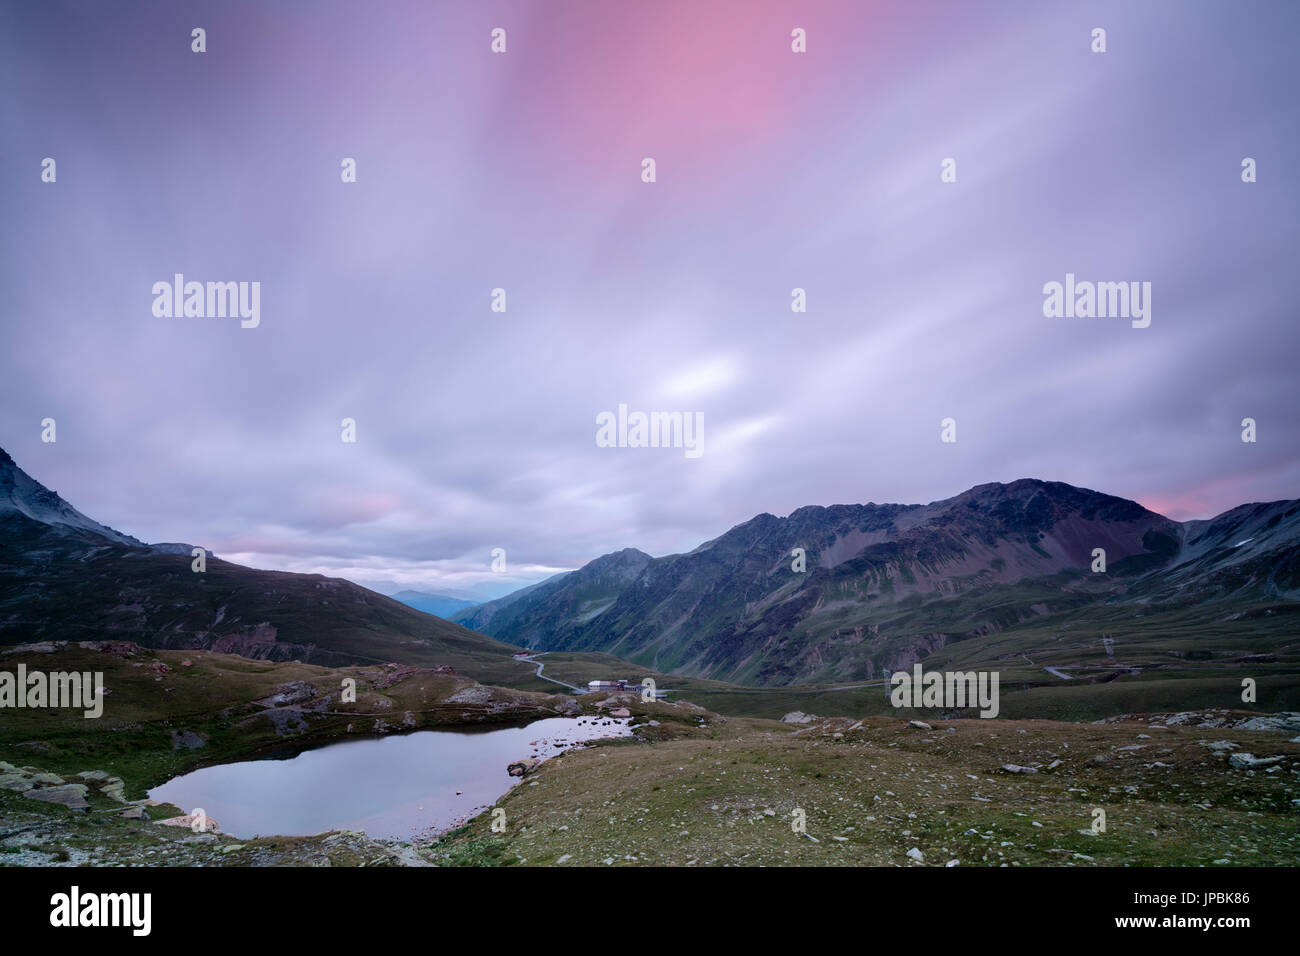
(64, 576)
(878, 587)
(887, 584)
(434, 602)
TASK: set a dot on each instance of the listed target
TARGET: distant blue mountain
(441, 605)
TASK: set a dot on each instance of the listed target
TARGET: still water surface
(397, 787)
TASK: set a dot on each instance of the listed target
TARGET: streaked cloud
(776, 171)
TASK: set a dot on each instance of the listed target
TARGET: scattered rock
(15, 781)
(42, 647)
(187, 740)
(919, 725)
(1283, 721)
(1245, 761)
(187, 820)
(473, 694)
(72, 795)
(115, 790)
(39, 746)
(294, 692)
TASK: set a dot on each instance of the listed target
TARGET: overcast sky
(523, 171)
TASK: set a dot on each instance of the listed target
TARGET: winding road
(533, 659)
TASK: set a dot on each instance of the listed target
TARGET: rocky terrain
(690, 787)
(145, 833)
(892, 792)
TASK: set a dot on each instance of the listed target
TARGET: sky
(523, 171)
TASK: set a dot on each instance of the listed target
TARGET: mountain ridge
(886, 584)
(65, 575)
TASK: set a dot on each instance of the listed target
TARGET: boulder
(15, 781)
(187, 740)
(40, 746)
(919, 725)
(114, 790)
(1285, 721)
(188, 820)
(72, 795)
(1245, 761)
(294, 692)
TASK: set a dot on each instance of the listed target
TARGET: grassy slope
(873, 793)
(1026, 691)
(694, 791)
(1165, 659)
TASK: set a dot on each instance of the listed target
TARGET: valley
(689, 787)
(1164, 693)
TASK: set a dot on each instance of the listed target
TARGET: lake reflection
(396, 787)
